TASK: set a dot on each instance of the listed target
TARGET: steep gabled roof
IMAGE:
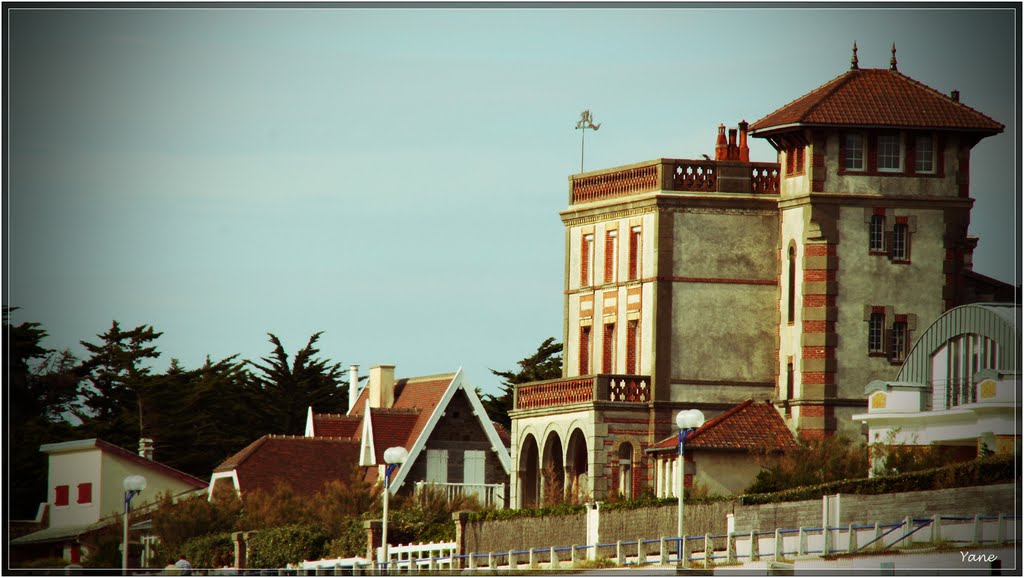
(303, 462)
(748, 426)
(877, 97)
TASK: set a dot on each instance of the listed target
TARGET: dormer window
(853, 151)
(890, 153)
(924, 154)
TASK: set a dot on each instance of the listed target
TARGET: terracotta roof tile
(747, 426)
(878, 97)
(423, 393)
(304, 463)
(393, 427)
(336, 425)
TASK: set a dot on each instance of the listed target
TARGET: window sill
(877, 354)
(900, 261)
(879, 253)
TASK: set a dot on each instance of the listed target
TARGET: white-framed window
(890, 152)
(876, 234)
(853, 151)
(924, 154)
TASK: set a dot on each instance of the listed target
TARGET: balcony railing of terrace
(489, 495)
(583, 389)
(675, 175)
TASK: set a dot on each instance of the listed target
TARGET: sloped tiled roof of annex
(878, 97)
(336, 425)
(306, 463)
(748, 426)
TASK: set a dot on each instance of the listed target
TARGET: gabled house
(958, 388)
(724, 455)
(438, 419)
(86, 494)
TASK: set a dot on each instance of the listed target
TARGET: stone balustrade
(675, 175)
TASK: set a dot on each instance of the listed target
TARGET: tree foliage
(117, 383)
(546, 363)
(288, 389)
(815, 461)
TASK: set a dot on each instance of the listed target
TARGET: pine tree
(546, 363)
(289, 389)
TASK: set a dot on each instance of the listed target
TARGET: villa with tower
(708, 283)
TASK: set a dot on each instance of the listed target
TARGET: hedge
(209, 551)
(981, 472)
(278, 547)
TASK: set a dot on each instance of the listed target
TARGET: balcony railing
(676, 175)
(488, 494)
(950, 393)
(585, 388)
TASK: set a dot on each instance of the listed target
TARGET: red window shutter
(634, 254)
(584, 350)
(609, 257)
(607, 350)
(585, 262)
(631, 328)
(85, 493)
(60, 497)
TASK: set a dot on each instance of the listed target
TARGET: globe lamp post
(393, 457)
(132, 486)
(688, 421)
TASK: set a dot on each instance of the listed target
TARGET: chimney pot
(744, 149)
(955, 95)
(146, 448)
(353, 386)
(721, 146)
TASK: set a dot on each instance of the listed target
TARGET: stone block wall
(525, 533)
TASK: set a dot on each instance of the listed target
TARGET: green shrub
(210, 551)
(278, 547)
(350, 542)
(510, 514)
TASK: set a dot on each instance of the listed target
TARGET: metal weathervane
(586, 121)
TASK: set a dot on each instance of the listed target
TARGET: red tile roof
(423, 393)
(393, 427)
(878, 97)
(748, 426)
(335, 425)
(304, 463)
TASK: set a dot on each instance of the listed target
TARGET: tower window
(901, 242)
(608, 349)
(584, 350)
(632, 346)
(586, 259)
(609, 255)
(876, 234)
(899, 340)
(890, 155)
(876, 328)
(853, 151)
(791, 300)
(924, 154)
(634, 253)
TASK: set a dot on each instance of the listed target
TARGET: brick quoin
(820, 275)
(816, 378)
(819, 326)
(816, 411)
(819, 250)
(819, 300)
(813, 434)
(818, 352)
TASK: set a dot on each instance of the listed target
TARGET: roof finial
(892, 61)
(853, 61)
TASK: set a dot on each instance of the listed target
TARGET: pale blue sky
(393, 177)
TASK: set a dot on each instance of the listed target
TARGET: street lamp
(132, 486)
(688, 420)
(394, 457)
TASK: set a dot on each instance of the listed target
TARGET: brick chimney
(744, 149)
(382, 386)
(146, 448)
(721, 146)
